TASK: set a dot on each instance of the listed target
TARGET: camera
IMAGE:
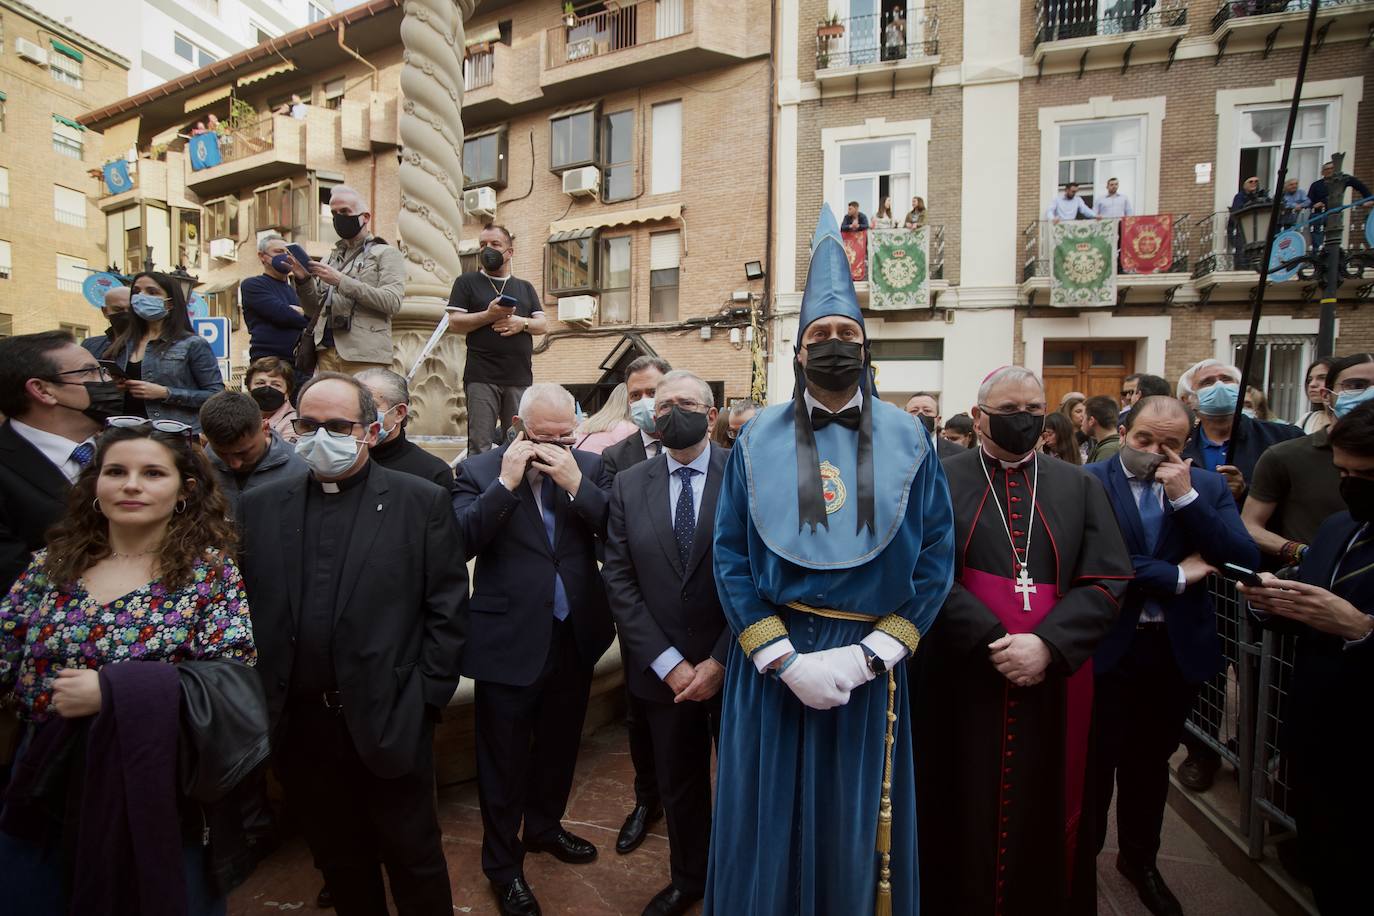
(339, 323)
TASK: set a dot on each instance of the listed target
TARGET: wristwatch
(875, 661)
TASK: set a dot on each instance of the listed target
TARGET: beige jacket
(373, 281)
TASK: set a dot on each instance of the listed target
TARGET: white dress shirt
(1068, 208)
(1147, 615)
(55, 448)
(1114, 205)
(652, 447)
(670, 657)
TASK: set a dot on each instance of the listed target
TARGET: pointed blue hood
(829, 283)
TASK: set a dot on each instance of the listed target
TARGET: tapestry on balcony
(899, 268)
(204, 151)
(1147, 244)
(856, 249)
(1084, 263)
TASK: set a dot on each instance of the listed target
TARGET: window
(124, 235)
(66, 136)
(80, 332)
(895, 348)
(617, 151)
(666, 172)
(64, 62)
(484, 159)
(664, 252)
(615, 280)
(315, 13)
(68, 206)
(334, 93)
(1261, 142)
(571, 256)
(1090, 152)
(871, 170)
(3, 99)
(6, 325)
(272, 207)
(5, 260)
(222, 218)
(324, 231)
(573, 139)
(188, 238)
(260, 35)
(191, 52)
(71, 273)
(1278, 370)
(4, 187)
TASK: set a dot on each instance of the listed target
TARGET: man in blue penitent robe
(833, 551)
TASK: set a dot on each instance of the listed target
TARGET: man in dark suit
(925, 407)
(1181, 524)
(532, 513)
(642, 376)
(673, 634)
(359, 596)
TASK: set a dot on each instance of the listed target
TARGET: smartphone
(1240, 574)
(113, 369)
(509, 301)
(299, 254)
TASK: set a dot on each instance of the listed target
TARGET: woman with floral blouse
(139, 570)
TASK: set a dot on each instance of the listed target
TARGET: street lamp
(184, 280)
(1252, 225)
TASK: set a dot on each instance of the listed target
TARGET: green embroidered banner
(1083, 263)
(899, 268)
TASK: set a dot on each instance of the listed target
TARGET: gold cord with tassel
(883, 907)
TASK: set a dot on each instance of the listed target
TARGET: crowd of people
(884, 624)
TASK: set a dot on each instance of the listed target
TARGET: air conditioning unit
(583, 182)
(31, 51)
(577, 309)
(480, 201)
(224, 249)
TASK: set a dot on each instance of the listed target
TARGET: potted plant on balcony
(569, 17)
(830, 28)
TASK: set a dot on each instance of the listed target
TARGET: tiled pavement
(615, 884)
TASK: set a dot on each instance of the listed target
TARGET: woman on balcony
(169, 370)
(916, 216)
(883, 219)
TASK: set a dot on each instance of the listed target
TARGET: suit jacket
(33, 496)
(401, 616)
(370, 292)
(946, 449)
(626, 453)
(512, 596)
(1209, 525)
(656, 603)
(1253, 437)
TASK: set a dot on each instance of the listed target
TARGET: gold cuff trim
(831, 612)
(761, 633)
(900, 629)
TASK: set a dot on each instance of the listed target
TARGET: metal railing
(244, 140)
(4, 198)
(1060, 20)
(1238, 9)
(69, 218)
(68, 285)
(611, 30)
(1038, 251)
(861, 40)
(479, 69)
(1222, 244)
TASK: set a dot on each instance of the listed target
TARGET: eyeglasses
(339, 428)
(1035, 409)
(661, 408)
(98, 371)
(1127, 392)
(170, 427)
(1353, 384)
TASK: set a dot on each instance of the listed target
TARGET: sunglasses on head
(170, 427)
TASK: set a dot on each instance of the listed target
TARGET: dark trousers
(641, 752)
(356, 822)
(490, 409)
(1138, 713)
(683, 734)
(527, 741)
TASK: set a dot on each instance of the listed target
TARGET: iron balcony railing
(246, 140)
(1222, 244)
(611, 30)
(1038, 249)
(875, 39)
(1059, 20)
(1238, 9)
(479, 69)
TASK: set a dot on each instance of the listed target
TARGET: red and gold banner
(856, 249)
(1147, 244)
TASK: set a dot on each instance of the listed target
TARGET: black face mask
(119, 322)
(927, 421)
(347, 226)
(834, 364)
(491, 259)
(1016, 433)
(269, 399)
(106, 401)
(1358, 493)
(680, 428)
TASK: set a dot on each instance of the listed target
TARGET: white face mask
(328, 456)
(642, 414)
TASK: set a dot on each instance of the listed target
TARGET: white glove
(848, 665)
(812, 681)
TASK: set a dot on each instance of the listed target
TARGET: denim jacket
(187, 369)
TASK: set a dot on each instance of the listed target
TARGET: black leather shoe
(1154, 893)
(1198, 773)
(516, 898)
(636, 828)
(324, 900)
(565, 847)
(670, 902)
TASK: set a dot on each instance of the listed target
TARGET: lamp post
(184, 280)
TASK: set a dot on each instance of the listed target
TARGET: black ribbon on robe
(810, 495)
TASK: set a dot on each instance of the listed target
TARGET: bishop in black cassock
(1001, 720)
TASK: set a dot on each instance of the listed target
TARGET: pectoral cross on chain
(1025, 587)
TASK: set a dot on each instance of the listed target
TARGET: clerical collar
(813, 404)
(343, 486)
(1007, 465)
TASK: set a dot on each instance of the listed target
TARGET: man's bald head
(116, 300)
(1158, 406)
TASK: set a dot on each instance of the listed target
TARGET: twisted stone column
(431, 178)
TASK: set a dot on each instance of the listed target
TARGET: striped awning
(68, 50)
(209, 97)
(74, 125)
(285, 66)
(477, 38)
(618, 218)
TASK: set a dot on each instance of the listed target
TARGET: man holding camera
(498, 312)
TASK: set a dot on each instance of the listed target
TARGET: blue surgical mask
(328, 456)
(1347, 401)
(282, 264)
(642, 415)
(1249, 413)
(1218, 400)
(148, 307)
(382, 432)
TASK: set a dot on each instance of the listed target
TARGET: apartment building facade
(987, 106)
(49, 227)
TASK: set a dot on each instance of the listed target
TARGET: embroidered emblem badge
(832, 488)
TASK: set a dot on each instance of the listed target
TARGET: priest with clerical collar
(833, 552)
(1003, 681)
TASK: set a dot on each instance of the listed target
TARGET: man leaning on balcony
(1069, 206)
(352, 295)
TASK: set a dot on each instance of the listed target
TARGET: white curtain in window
(669, 19)
(5, 260)
(666, 170)
(68, 201)
(664, 250)
(70, 268)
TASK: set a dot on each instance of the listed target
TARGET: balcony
(1066, 31)
(863, 51)
(499, 80)
(1037, 264)
(255, 153)
(1253, 21)
(937, 283)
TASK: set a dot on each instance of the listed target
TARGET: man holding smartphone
(498, 313)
